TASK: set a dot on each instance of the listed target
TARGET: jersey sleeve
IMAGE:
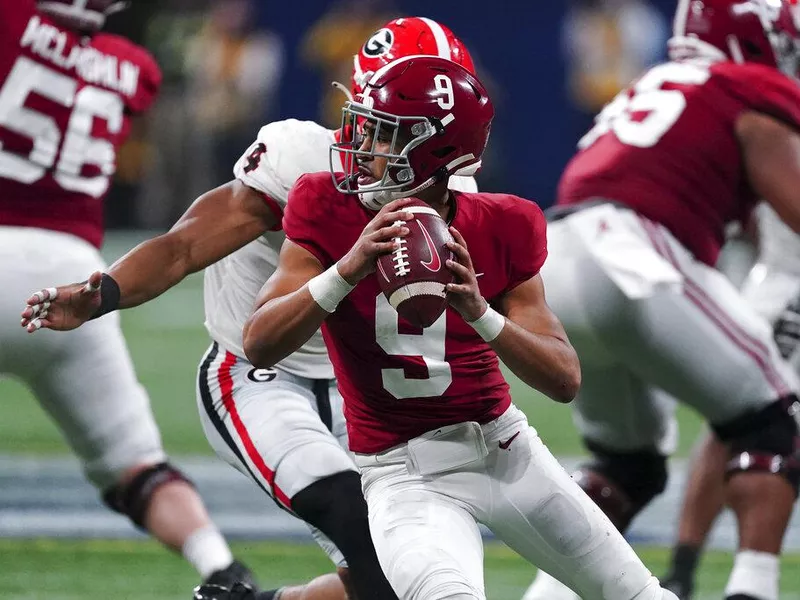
(762, 89)
(149, 75)
(525, 229)
(149, 84)
(302, 219)
(281, 153)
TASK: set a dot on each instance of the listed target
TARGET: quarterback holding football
(439, 443)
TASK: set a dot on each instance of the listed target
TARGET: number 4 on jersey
(641, 116)
(254, 158)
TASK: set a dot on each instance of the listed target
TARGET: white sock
(546, 587)
(755, 574)
(207, 551)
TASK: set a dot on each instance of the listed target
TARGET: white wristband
(489, 324)
(329, 288)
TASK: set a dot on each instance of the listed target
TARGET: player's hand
(376, 239)
(464, 295)
(63, 308)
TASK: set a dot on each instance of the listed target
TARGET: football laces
(400, 254)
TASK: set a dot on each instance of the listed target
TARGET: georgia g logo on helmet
(380, 43)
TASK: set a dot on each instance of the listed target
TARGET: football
(413, 277)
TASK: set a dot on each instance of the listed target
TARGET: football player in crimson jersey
(440, 445)
(772, 288)
(685, 150)
(68, 93)
(281, 427)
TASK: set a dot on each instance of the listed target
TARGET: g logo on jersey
(262, 375)
(379, 43)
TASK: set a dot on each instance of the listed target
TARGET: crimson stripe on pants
(226, 387)
(753, 347)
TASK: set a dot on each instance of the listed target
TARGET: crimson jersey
(667, 147)
(66, 103)
(399, 381)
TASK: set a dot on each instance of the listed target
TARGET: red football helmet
(406, 37)
(81, 15)
(760, 31)
(437, 116)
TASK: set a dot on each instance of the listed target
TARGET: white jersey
(780, 246)
(282, 152)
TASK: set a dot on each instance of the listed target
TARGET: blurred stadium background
(230, 66)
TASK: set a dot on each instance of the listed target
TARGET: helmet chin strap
(375, 200)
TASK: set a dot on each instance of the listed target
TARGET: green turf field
(122, 570)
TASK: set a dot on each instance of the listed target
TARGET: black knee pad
(622, 483)
(133, 499)
(767, 440)
(336, 506)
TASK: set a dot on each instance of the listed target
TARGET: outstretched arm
(215, 225)
(219, 222)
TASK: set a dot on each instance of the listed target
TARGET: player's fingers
(381, 221)
(93, 283)
(37, 324)
(460, 253)
(380, 248)
(42, 295)
(457, 288)
(398, 216)
(37, 309)
(392, 231)
(459, 270)
(457, 236)
(396, 205)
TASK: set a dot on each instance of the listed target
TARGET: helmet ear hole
(442, 152)
(751, 49)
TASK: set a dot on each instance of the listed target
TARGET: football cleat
(234, 573)
(210, 591)
(680, 589)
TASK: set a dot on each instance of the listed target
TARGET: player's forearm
(149, 270)
(544, 362)
(280, 327)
